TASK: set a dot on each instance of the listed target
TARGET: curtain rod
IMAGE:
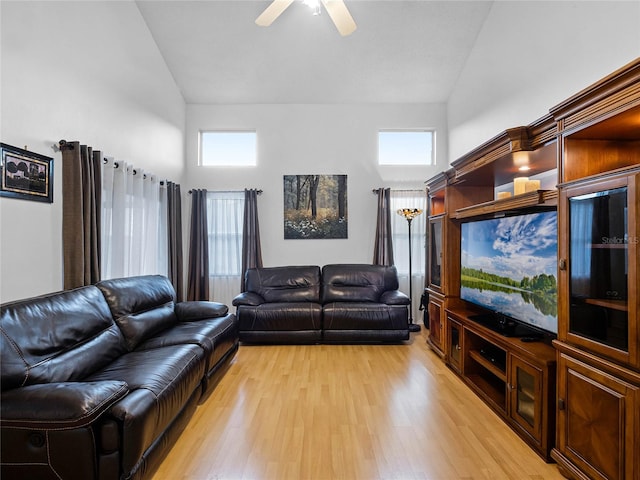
(117, 165)
(62, 144)
(259, 192)
(375, 190)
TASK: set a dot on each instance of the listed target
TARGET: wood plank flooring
(352, 412)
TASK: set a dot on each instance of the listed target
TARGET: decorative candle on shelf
(502, 195)
(532, 185)
(519, 184)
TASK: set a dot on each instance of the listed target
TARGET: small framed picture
(25, 174)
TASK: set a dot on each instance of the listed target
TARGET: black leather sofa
(339, 303)
(98, 382)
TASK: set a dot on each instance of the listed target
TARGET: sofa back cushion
(357, 282)
(141, 306)
(285, 284)
(59, 337)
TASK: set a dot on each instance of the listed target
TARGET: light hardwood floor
(352, 412)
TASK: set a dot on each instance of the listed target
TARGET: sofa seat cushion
(216, 336)
(161, 382)
(364, 316)
(280, 316)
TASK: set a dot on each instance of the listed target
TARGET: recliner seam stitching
(20, 354)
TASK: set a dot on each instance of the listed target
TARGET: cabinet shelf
(609, 246)
(492, 390)
(620, 305)
(487, 364)
(527, 394)
(529, 199)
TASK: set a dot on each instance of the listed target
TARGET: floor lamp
(410, 214)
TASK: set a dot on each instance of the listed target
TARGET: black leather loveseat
(98, 382)
(307, 304)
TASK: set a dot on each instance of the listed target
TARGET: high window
(228, 149)
(406, 147)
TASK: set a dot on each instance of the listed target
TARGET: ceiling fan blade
(341, 17)
(272, 12)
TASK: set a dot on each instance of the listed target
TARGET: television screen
(509, 266)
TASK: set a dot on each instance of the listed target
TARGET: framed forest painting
(315, 206)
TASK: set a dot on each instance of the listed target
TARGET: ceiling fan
(336, 9)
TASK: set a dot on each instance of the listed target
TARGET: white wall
(532, 55)
(314, 139)
(86, 71)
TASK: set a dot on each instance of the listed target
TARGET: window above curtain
(406, 147)
(228, 148)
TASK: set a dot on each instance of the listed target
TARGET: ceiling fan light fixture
(336, 9)
(314, 5)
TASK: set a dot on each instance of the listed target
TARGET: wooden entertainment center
(574, 399)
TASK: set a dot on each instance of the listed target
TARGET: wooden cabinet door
(435, 321)
(598, 421)
(525, 397)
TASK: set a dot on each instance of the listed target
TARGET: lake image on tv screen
(508, 265)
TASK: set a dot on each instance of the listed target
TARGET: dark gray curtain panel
(174, 240)
(198, 269)
(251, 250)
(383, 244)
(81, 205)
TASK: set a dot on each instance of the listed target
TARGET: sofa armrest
(248, 298)
(394, 297)
(199, 310)
(59, 406)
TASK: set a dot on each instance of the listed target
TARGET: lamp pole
(410, 214)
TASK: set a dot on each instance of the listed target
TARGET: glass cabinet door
(435, 253)
(524, 387)
(599, 267)
(525, 400)
(454, 350)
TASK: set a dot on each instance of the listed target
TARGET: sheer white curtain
(400, 233)
(133, 222)
(225, 212)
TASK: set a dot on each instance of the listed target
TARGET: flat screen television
(509, 267)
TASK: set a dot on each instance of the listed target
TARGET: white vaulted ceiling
(402, 51)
